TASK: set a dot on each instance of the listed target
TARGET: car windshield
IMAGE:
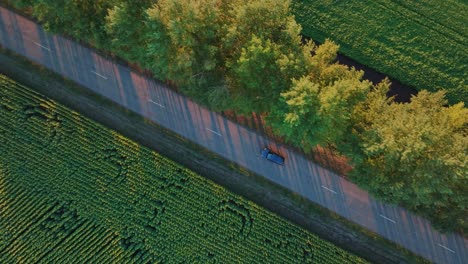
(265, 152)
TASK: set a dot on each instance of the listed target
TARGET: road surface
(230, 140)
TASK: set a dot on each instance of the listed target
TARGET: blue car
(273, 157)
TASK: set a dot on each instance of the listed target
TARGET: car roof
(275, 158)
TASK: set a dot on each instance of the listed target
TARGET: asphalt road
(230, 140)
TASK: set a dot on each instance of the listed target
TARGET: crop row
(69, 182)
(420, 43)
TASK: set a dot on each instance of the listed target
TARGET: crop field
(422, 43)
(73, 191)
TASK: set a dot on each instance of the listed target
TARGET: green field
(421, 43)
(73, 191)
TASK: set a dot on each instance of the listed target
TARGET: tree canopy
(82, 19)
(126, 28)
(415, 154)
(316, 110)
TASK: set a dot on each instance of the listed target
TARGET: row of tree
(249, 56)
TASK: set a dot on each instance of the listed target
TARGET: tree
(317, 109)
(82, 19)
(183, 46)
(262, 52)
(189, 32)
(22, 3)
(237, 54)
(126, 28)
(337, 101)
(415, 154)
(258, 76)
(295, 117)
(267, 19)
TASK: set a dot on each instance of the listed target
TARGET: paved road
(232, 141)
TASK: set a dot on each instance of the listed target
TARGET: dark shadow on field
(401, 92)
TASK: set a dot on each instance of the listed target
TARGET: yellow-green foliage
(74, 191)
